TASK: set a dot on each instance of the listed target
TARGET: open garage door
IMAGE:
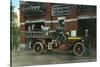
(89, 24)
(34, 25)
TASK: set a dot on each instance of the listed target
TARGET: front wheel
(79, 48)
(38, 48)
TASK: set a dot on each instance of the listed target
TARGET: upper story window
(33, 8)
(85, 8)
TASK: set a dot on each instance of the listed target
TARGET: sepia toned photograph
(52, 33)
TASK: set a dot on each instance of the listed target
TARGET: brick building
(76, 18)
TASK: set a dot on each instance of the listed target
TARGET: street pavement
(27, 58)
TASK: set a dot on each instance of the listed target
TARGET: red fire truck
(45, 39)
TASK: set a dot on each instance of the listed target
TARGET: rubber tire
(83, 49)
(40, 46)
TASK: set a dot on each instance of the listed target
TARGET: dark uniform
(87, 42)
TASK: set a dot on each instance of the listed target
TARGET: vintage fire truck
(46, 39)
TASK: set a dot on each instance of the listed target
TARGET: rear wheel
(38, 48)
(79, 49)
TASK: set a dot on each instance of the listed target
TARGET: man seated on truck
(63, 37)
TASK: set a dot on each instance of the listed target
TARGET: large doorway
(37, 25)
(89, 24)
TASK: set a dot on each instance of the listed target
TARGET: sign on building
(60, 10)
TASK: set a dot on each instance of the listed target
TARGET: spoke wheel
(79, 49)
(38, 48)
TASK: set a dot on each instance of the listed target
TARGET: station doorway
(34, 26)
(89, 24)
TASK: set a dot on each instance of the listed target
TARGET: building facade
(76, 18)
